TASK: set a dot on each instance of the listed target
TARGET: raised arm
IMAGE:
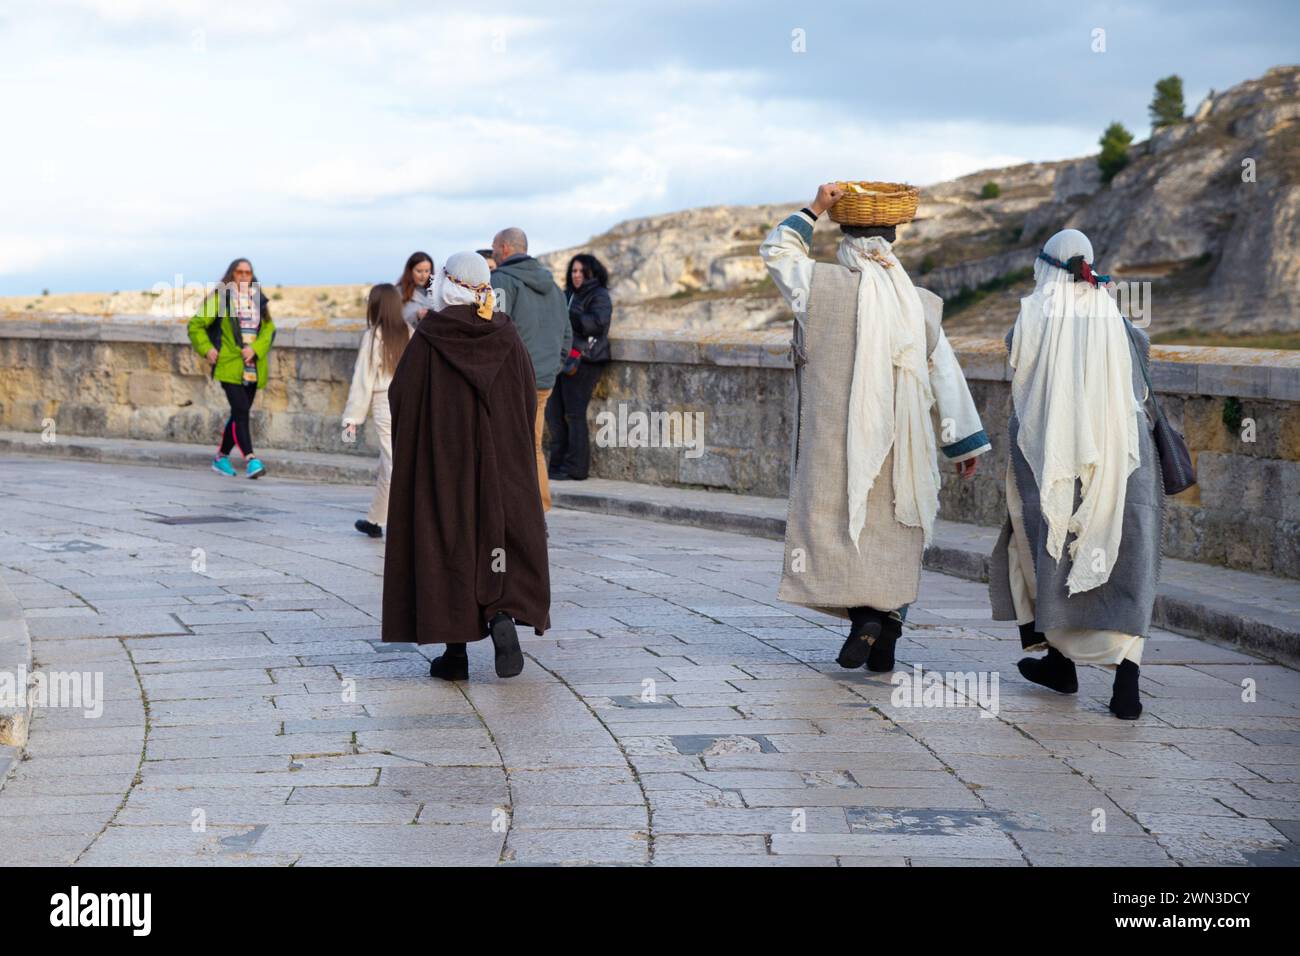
(786, 249)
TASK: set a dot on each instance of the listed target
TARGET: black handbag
(1175, 460)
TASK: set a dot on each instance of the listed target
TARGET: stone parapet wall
(134, 377)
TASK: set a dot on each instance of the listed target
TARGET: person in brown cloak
(466, 546)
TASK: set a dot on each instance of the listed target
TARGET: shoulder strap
(1142, 365)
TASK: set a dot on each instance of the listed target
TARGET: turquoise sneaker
(222, 466)
(255, 468)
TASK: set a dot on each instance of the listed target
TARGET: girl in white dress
(382, 344)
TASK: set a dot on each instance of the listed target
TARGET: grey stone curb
(302, 466)
(1258, 630)
(712, 519)
(15, 658)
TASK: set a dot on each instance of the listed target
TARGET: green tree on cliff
(1167, 105)
(1114, 150)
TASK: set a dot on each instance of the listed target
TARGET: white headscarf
(1073, 392)
(890, 399)
(464, 279)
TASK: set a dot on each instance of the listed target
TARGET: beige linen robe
(823, 569)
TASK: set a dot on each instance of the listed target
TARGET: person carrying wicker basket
(871, 365)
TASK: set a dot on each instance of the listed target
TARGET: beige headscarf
(890, 399)
(1073, 392)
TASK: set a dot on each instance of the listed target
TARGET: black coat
(590, 312)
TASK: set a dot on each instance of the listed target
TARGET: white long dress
(369, 394)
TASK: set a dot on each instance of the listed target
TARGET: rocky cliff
(1208, 211)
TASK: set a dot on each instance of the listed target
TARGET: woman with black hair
(414, 287)
(590, 312)
(233, 331)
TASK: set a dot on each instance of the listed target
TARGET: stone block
(982, 359)
(632, 348)
(149, 388)
(678, 349)
(167, 332)
(713, 469)
(321, 364)
(1239, 381)
(1284, 384)
(1170, 377)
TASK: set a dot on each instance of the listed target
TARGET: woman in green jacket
(233, 331)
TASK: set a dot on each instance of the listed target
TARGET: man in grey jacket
(525, 290)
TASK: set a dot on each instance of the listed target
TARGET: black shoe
(881, 658)
(368, 527)
(1124, 702)
(559, 476)
(1055, 671)
(867, 624)
(510, 659)
(1029, 637)
(453, 664)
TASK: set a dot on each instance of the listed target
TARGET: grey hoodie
(525, 290)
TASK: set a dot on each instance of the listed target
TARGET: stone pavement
(677, 714)
(1258, 613)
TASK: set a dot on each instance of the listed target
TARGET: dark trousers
(857, 613)
(566, 419)
(237, 433)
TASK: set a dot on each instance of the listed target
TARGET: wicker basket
(868, 203)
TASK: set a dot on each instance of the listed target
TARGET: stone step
(1255, 612)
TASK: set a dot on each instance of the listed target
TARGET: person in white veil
(1078, 559)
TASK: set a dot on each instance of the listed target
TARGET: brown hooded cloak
(466, 537)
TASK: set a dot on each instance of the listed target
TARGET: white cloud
(329, 139)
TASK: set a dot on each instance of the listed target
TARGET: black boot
(881, 658)
(1124, 702)
(510, 659)
(1029, 637)
(867, 625)
(1055, 671)
(369, 527)
(453, 664)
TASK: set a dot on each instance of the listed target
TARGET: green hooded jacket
(230, 361)
(525, 290)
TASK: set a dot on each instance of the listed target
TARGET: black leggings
(566, 419)
(237, 432)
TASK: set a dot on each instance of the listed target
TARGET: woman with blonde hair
(1079, 556)
(382, 345)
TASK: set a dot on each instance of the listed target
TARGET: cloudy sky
(327, 140)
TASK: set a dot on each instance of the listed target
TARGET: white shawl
(890, 399)
(1073, 393)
